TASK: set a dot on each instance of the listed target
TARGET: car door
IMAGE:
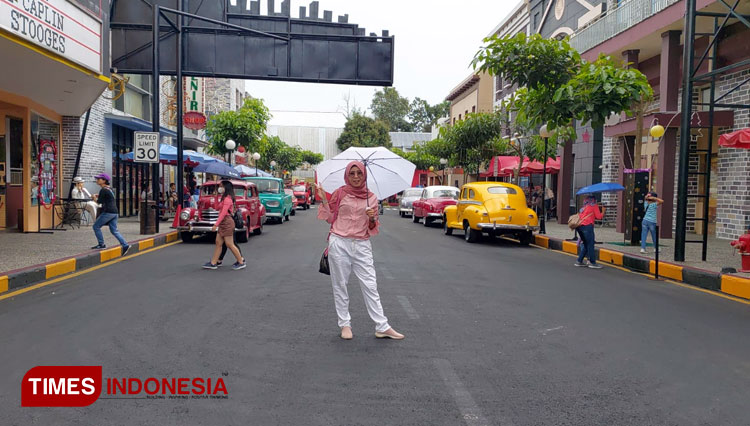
(466, 203)
(418, 205)
(463, 198)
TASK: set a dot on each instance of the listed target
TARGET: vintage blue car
(277, 202)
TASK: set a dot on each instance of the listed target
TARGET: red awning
(499, 164)
(506, 165)
(738, 139)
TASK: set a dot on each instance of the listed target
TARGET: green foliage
(364, 131)
(311, 158)
(388, 106)
(423, 116)
(475, 140)
(245, 126)
(274, 149)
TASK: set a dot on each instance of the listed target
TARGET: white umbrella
(387, 173)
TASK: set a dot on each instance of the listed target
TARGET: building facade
(473, 94)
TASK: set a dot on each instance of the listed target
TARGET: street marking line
(544, 332)
(687, 286)
(410, 311)
(469, 409)
(3, 284)
(60, 268)
(79, 273)
(735, 286)
(109, 254)
(143, 245)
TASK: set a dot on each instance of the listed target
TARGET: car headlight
(185, 215)
(273, 204)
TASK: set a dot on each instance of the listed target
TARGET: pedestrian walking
(589, 213)
(224, 228)
(84, 196)
(108, 215)
(353, 217)
(648, 225)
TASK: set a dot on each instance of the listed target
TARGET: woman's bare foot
(389, 334)
(346, 333)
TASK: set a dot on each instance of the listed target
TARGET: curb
(13, 280)
(729, 284)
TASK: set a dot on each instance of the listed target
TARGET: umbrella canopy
(738, 139)
(251, 171)
(387, 173)
(168, 155)
(218, 168)
(601, 187)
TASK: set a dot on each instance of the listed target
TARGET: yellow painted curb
(143, 245)
(542, 241)
(735, 286)
(570, 247)
(610, 256)
(110, 254)
(172, 236)
(3, 284)
(61, 268)
(666, 270)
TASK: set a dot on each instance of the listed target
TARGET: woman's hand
(320, 193)
(371, 214)
(214, 228)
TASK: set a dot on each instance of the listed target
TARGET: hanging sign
(194, 118)
(146, 147)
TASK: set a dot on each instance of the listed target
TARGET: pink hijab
(359, 192)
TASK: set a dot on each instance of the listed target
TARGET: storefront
(52, 53)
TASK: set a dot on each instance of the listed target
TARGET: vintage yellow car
(494, 208)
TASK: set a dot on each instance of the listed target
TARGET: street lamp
(256, 157)
(543, 132)
(443, 162)
(230, 145)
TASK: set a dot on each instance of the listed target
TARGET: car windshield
(268, 186)
(501, 190)
(444, 193)
(208, 190)
(289, 191)
(299, 188)
(412, 193)
(239, 191)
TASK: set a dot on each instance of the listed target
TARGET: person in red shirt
(224, 228)
(589, 213)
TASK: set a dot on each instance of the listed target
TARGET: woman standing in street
(649, 219)
(353, 217)
(589, 213)
(225, 227)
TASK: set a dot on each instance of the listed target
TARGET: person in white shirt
(81, 193)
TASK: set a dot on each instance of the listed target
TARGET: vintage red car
(303, 194)
(432, 202)
(191, 222)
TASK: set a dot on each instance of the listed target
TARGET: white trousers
(344, 256)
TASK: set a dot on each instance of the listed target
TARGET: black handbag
(324, 266)
(239, 223)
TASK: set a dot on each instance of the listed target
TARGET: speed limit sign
(146, 147)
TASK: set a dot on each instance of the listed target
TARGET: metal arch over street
(231, 39)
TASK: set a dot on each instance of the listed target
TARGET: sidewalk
(720, 253)
(19, 250)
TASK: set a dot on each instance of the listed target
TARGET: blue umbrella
(601, 187)
(251, 171)
(219, 168)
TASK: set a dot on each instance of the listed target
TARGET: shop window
(45, 160)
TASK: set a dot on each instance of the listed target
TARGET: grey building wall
(316, 139)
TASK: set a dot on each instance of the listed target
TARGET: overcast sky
(435, 42)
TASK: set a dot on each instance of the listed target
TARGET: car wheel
(446, 230)
(414, 218)
(259, 229)
(186, 237)
(243, 236)
(471, 235)
(427, 221)
(525, 238)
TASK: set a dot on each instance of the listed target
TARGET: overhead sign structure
(146, 147)
(57, 26)
(310, 48)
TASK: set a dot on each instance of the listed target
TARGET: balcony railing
(615, 21)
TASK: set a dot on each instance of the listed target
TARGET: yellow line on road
(687, 286)
(79, 273)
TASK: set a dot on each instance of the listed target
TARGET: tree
(246, 126)
(311, 158)
(388, 106)
(475, 140)
(364, 131)
(423, 116)
(349, 109)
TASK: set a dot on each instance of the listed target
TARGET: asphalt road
(497, 334)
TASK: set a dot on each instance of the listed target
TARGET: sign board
(194, 120)
(146, 147)
(194, 92)
(57, 26)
